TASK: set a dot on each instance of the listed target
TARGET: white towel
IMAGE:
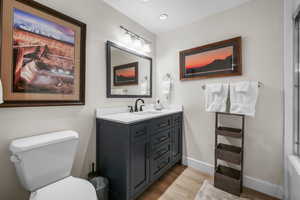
(243, 101)
(243, 86)
(1, 93)
(216, 88)
(144, 87)
(166, 87)
(216, 96)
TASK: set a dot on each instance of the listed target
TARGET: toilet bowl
(68, 188)
(43, 164)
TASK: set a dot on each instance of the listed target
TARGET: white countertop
(122, 115)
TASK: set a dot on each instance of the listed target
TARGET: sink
(148, 112)
(122, 115)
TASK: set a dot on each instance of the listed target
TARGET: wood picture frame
(127, 74)
(220, 59)
(43, 55)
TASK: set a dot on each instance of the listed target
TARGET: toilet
(43, 164)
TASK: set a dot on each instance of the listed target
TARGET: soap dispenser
(158, 105)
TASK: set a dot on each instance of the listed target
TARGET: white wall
(102, 24)
(260, 25)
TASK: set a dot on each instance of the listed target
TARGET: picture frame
(220, 59)
(109, 71)
(127, 74)
(43, 56)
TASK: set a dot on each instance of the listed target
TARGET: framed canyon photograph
(42, 56)
(218, 59)
(126, 74)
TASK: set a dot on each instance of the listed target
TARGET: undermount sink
(148, 112)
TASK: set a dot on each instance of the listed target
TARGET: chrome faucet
(136, 105)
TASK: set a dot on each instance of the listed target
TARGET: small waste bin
(101, 187)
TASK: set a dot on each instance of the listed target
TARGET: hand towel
(1, 93)
(166, 87)
(144, 87)
(243, 86)
(243, 101)
(216, 88)
(216, 96)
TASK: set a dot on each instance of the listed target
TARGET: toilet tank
(44, 159)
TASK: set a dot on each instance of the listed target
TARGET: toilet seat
(69, 188)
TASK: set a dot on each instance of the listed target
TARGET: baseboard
(249, 182)
(199, 165)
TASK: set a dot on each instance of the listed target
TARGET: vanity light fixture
(147, 48)
(138, 42)
(127, 38)
(163, 16)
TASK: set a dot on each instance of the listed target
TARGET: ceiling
(180, 12)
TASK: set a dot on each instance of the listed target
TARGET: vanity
(135, 149)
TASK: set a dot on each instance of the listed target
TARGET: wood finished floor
(186, 186)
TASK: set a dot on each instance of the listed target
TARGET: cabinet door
(160, 161)
(177, 143)
(139, 160)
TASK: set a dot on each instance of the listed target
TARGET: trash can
(101, 187)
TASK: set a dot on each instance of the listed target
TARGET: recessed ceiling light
(145, 0)
(163, 16)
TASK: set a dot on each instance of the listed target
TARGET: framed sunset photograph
(126, 74)
(42, 56)
(212, 60)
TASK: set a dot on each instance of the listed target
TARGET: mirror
(129, 74)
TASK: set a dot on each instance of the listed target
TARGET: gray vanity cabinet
(139, 158)
(133, 156)
(177, 143)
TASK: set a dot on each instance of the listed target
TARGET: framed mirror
(129, 74)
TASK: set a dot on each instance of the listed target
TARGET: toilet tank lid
(25, 144)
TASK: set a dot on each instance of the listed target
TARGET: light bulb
(127, 38)
(137, 43)
(147, 48)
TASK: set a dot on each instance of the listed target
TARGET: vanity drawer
(161, 124)
(177, 119)
(162, 150)
(160, 165)
(160, 138)
(138, 131)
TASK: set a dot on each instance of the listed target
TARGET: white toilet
(43, 164)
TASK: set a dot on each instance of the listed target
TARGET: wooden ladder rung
(226, 178)
(230, 132)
